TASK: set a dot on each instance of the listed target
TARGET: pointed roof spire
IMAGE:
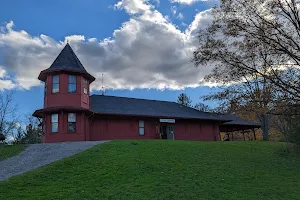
(66, 61)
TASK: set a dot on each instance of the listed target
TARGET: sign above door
(167, 120)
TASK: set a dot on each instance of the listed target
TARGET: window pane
(142, 131)
(54, 127)
(72, 79)
(72, 88)
(55, 88)
(54, 118)
(55, 79)
(71, 117)
(141, 123)
(84, 90)
(72, 127)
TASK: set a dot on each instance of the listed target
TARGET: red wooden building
(71, 114)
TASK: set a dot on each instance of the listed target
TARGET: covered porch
(238, 125)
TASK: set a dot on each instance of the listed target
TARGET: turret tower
(66, 99)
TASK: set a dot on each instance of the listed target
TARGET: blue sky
(143, 47)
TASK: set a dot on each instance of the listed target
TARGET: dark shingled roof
(238, 121)
(143, 107)
(237, 124)
(67, 59)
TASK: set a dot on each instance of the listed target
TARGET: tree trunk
(254, 135)
(265, 126)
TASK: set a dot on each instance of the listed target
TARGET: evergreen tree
(185, 100)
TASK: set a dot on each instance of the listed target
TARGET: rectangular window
(141, 127)
(84, 90)
(54, 123)
(72, 122)
(72, 84)
(55, 83)
(85, 81)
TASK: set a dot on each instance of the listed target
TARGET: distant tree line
(15, 128)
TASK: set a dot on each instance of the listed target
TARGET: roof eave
(162, 117)
(43, 74)
(42, 112)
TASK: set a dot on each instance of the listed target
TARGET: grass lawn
(10, 150)
(164, 170)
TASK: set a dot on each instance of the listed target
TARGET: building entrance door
(167, 132)
(170, 132)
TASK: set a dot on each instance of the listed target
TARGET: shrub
(2, 137)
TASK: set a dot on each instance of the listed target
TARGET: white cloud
(133, 6)
(174, 10)
(187, 2)
(147, 51)
(202, 19)
(2, 72)
(180, 16)
(6, 85)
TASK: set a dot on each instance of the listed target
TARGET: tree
(288, 122)
(255, 36)
(185, 100)
(202, 107)
(31, 135)
(254, 46)
(2, 137)
(8, 116)
(252, 99)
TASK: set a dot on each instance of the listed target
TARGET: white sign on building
(167, 120)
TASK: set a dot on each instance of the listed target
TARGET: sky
(143, 47)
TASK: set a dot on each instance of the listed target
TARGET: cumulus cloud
(133, 6)
(147, 51)
(5, 82)
(202, 20)
(6, 85)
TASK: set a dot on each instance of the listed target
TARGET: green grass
(164, 170)
(7, 151)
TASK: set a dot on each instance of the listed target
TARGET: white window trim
(75, 83)
(52, 122)
(72, 121)
(141, 127)
(55, 84)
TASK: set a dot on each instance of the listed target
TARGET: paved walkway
(37, 155)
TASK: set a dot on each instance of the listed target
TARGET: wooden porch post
(244, 134)
(254, 133)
